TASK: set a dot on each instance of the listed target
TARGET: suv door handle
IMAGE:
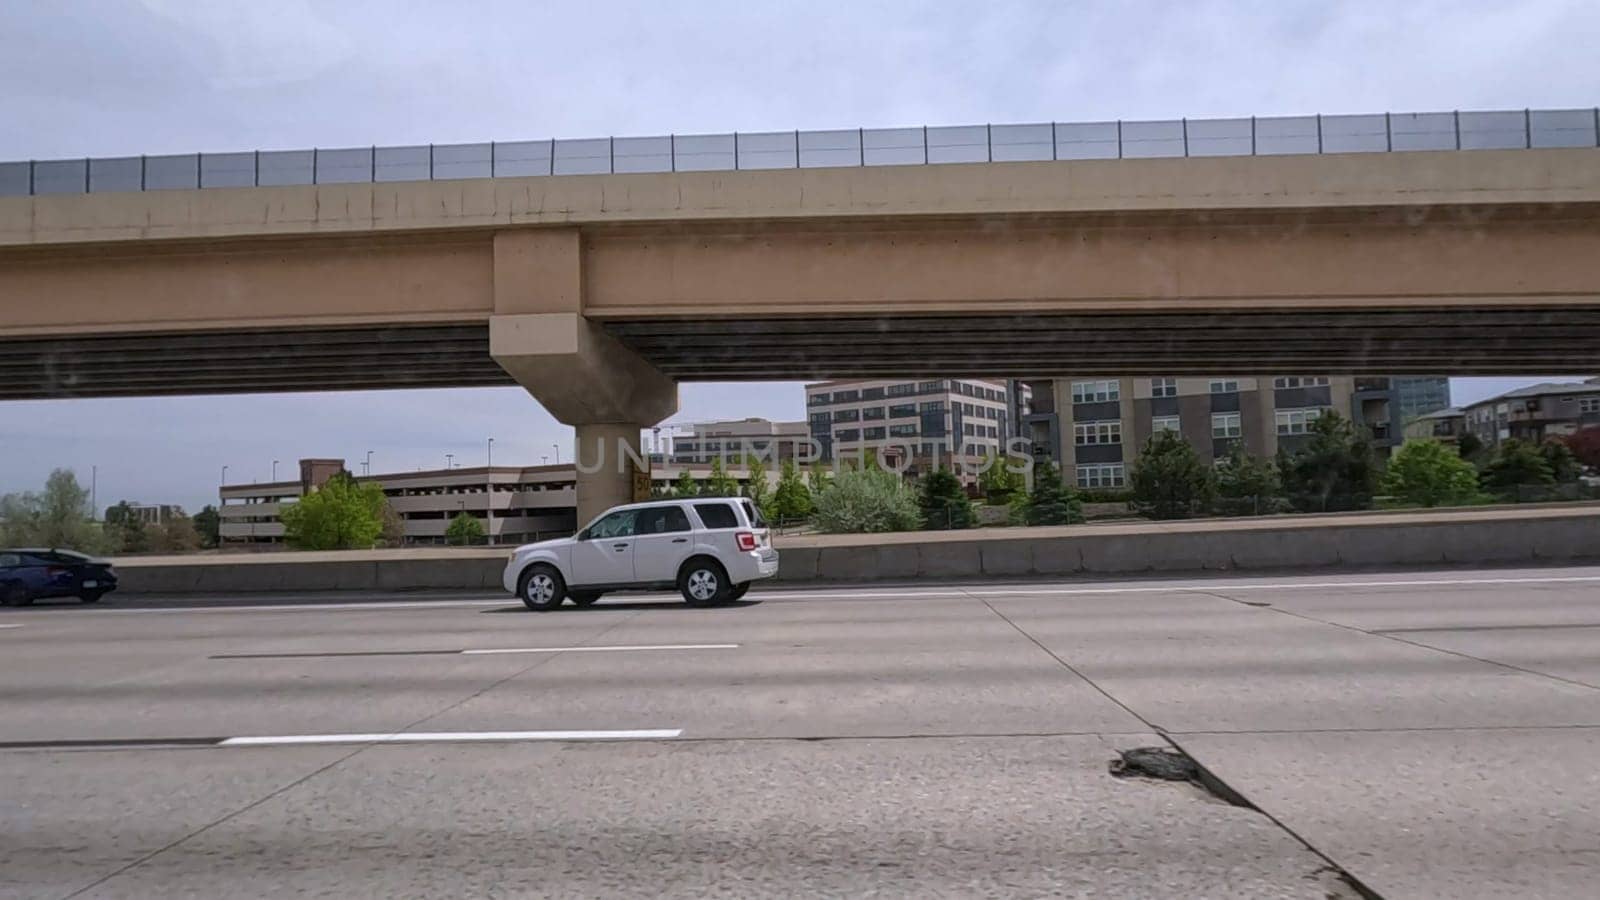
(619, 546)
(680, 540)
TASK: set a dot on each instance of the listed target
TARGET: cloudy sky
(114, 77)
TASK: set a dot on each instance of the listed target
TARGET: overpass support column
(583, 376)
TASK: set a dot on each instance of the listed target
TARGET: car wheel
(739, 590)
(583, 598)
(91, 596)
(541, 588)
(703, 583)
(15, 595)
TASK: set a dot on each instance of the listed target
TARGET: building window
(902, 410)
(1225, 425)
(1225, 386)
(873, 393)
(847, 434)
(969, 430)
(933, 406)
(1097, 432)
(846, 396)
(1589, 404)
(1283, 382)
(821, 418)
(820, 399)
(1095, 391)
(847, 415)
(901, 390)
(1297, 421)
(872, 413)
(902, 431)
(1164, 423)
(1164, 387)
(873, 434)
(932, 387)
(1108, 475)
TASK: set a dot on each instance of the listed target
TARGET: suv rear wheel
(541, 588)
(703, 582)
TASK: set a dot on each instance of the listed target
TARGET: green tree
(792, 501)
(1469, 446)
(341, 515)
(1333, 471)
(393, 526)
(944, 503)
(1561, 460)
(463, 530)
(719, 483)
(1050, 502)
(817, 479)
(1516, 463)
(756, 487)
(59, 517)
(867, 500)
(1246, 485)
(208, 522)
(999, 483)
(1427, 473)
(1169, 481)
(685, 486)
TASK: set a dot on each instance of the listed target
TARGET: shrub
(1050, 502)
(1246, 485)
(866, 500)
(944, 504)
(1333, 471)
(464, 529)
(1427, 473)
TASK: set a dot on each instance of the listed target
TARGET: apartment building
(1444, 425)
(1535, 413)
(1385, 404)
(774, 441)
(922, 422)
(515, 504)
(1094, 426)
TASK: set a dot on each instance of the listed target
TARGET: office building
(1094, 426)
(920, 423)
(1535, 413)
(773, 442)
(529, 503)
(1444, 425)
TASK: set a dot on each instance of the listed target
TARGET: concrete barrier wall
(1435, 541)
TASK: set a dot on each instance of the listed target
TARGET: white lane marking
(1167, 588)
(600, 649)
(17, 625)
(329, 607)
(418, 737)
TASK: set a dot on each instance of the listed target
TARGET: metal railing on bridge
(929, 145)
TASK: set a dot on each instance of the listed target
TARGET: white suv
(709, 548)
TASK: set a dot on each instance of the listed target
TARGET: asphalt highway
(1410, 735)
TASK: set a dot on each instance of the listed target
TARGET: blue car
(27, 575)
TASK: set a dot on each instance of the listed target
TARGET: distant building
(1444, 425)
(144, 513)
(932, 421)
(529, 503)
(772, 441)
(1385, 404)
(1094, 426)
(1535, 413)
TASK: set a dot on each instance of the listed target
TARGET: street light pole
(558, 453)
(449, 460)
(274, 470)
(488, 507)
(367, 466)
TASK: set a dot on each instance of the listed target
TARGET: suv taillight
(746, 540)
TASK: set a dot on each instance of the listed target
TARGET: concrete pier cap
(583, 376)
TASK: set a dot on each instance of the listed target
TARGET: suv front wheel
(703, 583)
(542, 588)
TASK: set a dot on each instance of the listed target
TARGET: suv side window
(661, 520)
(9, 560)
(716, 515)
(753, 514)
(618, 524)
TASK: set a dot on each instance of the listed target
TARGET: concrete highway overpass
(598, 293)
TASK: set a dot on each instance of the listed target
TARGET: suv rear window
(716, 515)
(753, 514)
